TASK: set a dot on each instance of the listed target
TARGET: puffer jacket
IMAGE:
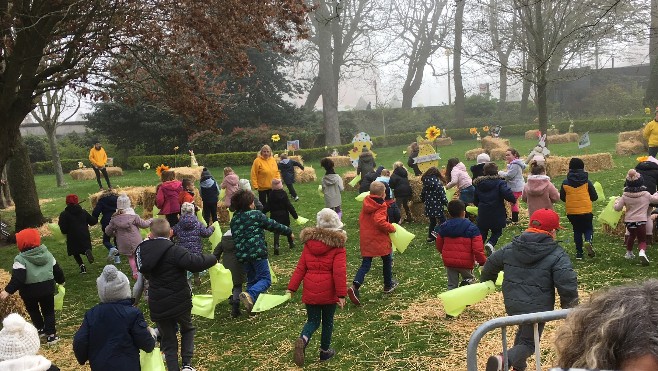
(491, 192)
(477, 170)
(460, 244)
(400, 183)
(332, 186)
(366, 181)
(34, 273)
(539, 193)
(165, 266)
(322, 266)
(514, 175)
(433, 196)
(578, 192)
(287, 170)
(649, 171)
(366, 163)
(189, 232)
(209, 191)
(225, 250)
(125, 227)
(105, 206)
(459, 177)
(248, 233)
(262, 173)
(374, 228)
(650, 133)
(279, 207)
(637, 203)
(74, 222)
(166, 198)
(534, 265)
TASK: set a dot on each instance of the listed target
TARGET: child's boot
(644, 260)
(90, 256)
(300, 351)
(353, 294)
(83, 269)
(276, 249)
(325, 355)
(590, 249)
(515, 216)
(235, 308)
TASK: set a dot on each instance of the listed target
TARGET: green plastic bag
(599, 191)
(268, 301)
(500, 278)
(216, 236)
(320, 190)
(151, 361)
(401, 238)
(199, 215)
(59, 297)
(301, 220)
(456, 300)
(472, 209)
(450, 193)
(221, 282)
(608, 215)
(144, 232)
(272, 275)
(362, 196)
(355, 180)
(57, 233)
(222, 194)
(204, 306)
(155, 212)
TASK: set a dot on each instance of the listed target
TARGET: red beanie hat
(71, 199)
(28, 238)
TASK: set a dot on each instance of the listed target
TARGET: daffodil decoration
(81, 165)
(276, 138)
(146, 166)
(432, 133)
(642, 158)
(176, 148)
(485, 128)
(473, 131)
(647, 111)
(160, 169)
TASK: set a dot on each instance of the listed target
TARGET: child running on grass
(539, 192)
(280, 209)
(189, 231)
(433, 196)
(332, 186)
(209, 196)
(514, 178)
(74, 222)
(225, 251)
(491, 192)
(125, 225)
(287, 170)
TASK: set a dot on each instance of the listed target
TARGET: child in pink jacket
(456, 175)
(637, 199)
(539, 192)
(230, 184)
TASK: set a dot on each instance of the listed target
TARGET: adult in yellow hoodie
(98, 159)
(263, 170)
(650, 133)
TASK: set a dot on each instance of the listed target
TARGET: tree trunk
(456, 65)
(23, 188)
(525, 93)
(54, 156)
(502, 97)
(651, 95)
(313, 95)
(542, 100)
(328, 84)
(5, 195)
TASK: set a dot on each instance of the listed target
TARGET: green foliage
(613, 99)
(37, 147)
(480, 106)
(46, 167)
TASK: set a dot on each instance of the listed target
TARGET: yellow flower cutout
(276, 138)
(432, 133)
(642, 158)
(176, 148)
(647, 111)
(146, 165)
(485, 129)
(160, 169)
(473, 131)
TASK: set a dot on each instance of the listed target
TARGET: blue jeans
(467, 194)
(107, 242)
(366, 262)
(258, 277)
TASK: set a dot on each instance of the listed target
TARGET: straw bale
(629, 147)
(305, 176)
(472, 154)
(222, 213)
(531, 134)
(341, 161)
(497, 154)
(148, 200)
(550, 132)
(634, 135)
(557, 165)
(89, 174)
(562, 138)
(13, 303)
(135, 194)
(347, 178)
(489, 143)
(620, 228)
(418, 211)
(416, 188)
(443, 141)
(187, 172)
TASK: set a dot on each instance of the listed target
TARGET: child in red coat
(322, 267)
(374, 238)
(460, 243)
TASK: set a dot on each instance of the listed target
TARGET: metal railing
(502, 323)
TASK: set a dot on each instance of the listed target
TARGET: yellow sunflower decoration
(432, 133)
(485, 129)
(647, 111)
(473, 131)
(276, 138)
(160, 169)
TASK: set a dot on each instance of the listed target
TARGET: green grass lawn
(374, 336)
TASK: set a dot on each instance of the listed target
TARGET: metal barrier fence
(502, 323)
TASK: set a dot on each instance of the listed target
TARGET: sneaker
(117, 259)
(326, 355)
(52, 339)
(494, 363)
(590, 249)
(489, 248)
(300, 351)
(579, 256)
(247, 301)
(89, 256)
(187, 368)
(41, 333)
(390, 289)
(112, 253)
(629, 255)
(644, 260)
(276, 249)
(296, 198)
(83, 269)
(353, 294)
(431, 239)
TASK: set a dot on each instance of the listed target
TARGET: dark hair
(514, 152)
(187, 182)
(327, 163)
(451, 164)
(537, 169)
(283, 156)
(167, 175)
(241, 200)
(456, 208)
(433, 171)
(490, 168)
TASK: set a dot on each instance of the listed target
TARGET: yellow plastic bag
(500, 278)
(354, 181)
(268, 301)
(320, 190)
(199, 215)
(599, 191)
(230, 215)
(272, 275)
(456, 300)
(222, 194)
(608, 215)
(301, 220)
(216, 236)
(472, 209)
(57, 233)
(450, 193)
(151, 361)
(59, 297)
(221, 282)
(204, 306)
(401, 238)
(362, 196)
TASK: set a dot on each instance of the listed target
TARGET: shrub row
(46, 167)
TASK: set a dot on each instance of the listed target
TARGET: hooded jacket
(514, 175)
(400, 183)
(98, 158)
(226, 251)
(366, 163)
(477, 170)
(637, 204)
(491, 192)
(287, 170)
(332, 186)
(322, 266)
(279, 207)
(650, 133)
(374, 228)
(248, 233)
(460, 244)
(649, 171)
(539, 193)
(34, 273)
(578, 192)
(534, 265)
(231, 184)
(262, 173)
(459, 177)
(366, 180)
(209, 191)
(189, 232)
(74, 222)
(165, 266)
(433, 196)
(410, 163)
(28, 363)
(106, 206)
(125, 227)
(166, 198)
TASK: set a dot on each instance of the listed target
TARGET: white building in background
(29, 127)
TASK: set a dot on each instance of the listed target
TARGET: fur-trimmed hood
(326, 236)
(486, 177)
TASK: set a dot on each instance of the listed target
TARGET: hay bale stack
(557, 165)
(347, 178)
(443, 142)
(497, 154)
(305, 176)
(629, 147)
(135, 194)
(531, 134)
(635, 135)
(193, 173)
(418, 211)
(472, 154)
(13, 303)
(341, 161)
(89, 174)
(489, 143)
(148, 200)
(416, 188)
(552, 132)
(562, 138)
(620, 228)
(222, 213)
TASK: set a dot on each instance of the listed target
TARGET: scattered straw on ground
(89, 174)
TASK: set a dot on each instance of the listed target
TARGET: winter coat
(249, 236)
(433, 196)
(332, 186)
(125, 227)
(34, 273)
(279, 207)
(534, 265)
(477, 170)
(374, 228)
(578, 192)
(166, 197)
(637, 204)
(410, 163)
(111, 336)
(209, 191)
(490, 193)
(106, 206)
(28, 363)
(165, 266)
(287, 170)
(262, 173)
(231, 185)
(460, 243)
(189, 231)
(539, 193)
(186, 196)
(650, 133)
(400, 183)
(98, 158)
(366, 181)
(74, 222)
(322, 266)
(514, 175)
(385, 180)
(649, 171)
(225, 250)
(459, 177)
(366, 163)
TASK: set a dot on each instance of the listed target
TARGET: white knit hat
(123, 202)
(244, 184)
(18, 338)
(112, 285)
(187, 208)
(483, 158)
(328, 219)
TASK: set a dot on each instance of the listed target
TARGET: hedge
(46, 167)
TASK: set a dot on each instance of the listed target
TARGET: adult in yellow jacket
(650, 133)
(263, 170)
(98, 159)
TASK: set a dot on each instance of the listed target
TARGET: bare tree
(457, 64)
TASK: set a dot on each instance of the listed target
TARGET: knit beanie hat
(187, 208)
(576, 164)
(483, 158)
(18, 338)
(112, 285)
(205, 174)
(328, 219)
(71, 199)
(244, 184)
(28, 238)
(123, 202)
(276, 184)
(634, 179)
